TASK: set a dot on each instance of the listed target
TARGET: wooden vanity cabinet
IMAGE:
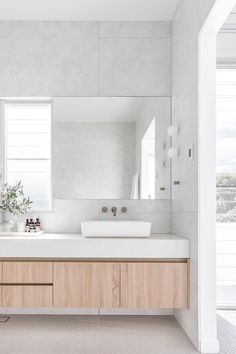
(101, 284)
(27, 272)
(86, 284)
(26, 295)
(154, 285)
(26, 284)
(121, 284)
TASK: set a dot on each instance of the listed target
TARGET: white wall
(226, 47)
(189, 18)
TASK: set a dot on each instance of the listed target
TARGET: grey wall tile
(54, 58)
(67, 218)
(61, 58)
(135, 29)
(63, 222)
(160, 221)
(135, 67)
(186, 225)
(98, 162)
(138, 206)
(75, 206)
(53, 67)
(48, 29)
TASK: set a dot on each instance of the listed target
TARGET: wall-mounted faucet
(114, 210)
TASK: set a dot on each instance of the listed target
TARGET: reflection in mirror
(99, 147)
(25, 147)
(148, 163)
(105, 148)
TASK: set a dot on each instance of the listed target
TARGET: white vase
(20, 226)
(5, 224)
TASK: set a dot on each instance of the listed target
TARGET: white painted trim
(207, 329)
(209, 347)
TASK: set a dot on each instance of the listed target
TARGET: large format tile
(135, 29)
(61, 222)
(138, 206)
(226, 331)
(98, 160)
(160, 221)
(188, 318)
(49, 67)
(94, 335)
(135, 67)
(48, 29)
(186, 225)
(76, 205)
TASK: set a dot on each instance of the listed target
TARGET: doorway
(226, 187)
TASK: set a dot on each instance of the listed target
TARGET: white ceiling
(91, 10)
(96, 109)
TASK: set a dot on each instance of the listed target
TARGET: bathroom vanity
(115, 153)
(59, 271)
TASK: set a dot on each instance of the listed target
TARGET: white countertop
(72, 246)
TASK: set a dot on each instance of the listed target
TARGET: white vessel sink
(116, 228)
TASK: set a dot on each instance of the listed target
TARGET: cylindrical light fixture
(173, 152)
(172, 130)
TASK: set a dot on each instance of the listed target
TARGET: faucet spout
(114, 210)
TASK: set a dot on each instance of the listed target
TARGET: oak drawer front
(86, 284)
(154, 285)
(26, 295)
(27, 272)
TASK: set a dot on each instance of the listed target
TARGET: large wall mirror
(87, 147)
(110, 148)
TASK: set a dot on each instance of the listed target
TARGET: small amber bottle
(27, 227)
(37, 225)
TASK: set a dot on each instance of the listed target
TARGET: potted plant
(13, 201)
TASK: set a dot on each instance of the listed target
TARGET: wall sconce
(172, 130)
(173, 152)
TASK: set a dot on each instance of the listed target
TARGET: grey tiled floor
(93, 335)
(227, 331)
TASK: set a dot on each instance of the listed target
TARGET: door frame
(207, 327)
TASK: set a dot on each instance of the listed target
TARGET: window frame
(3, 153)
